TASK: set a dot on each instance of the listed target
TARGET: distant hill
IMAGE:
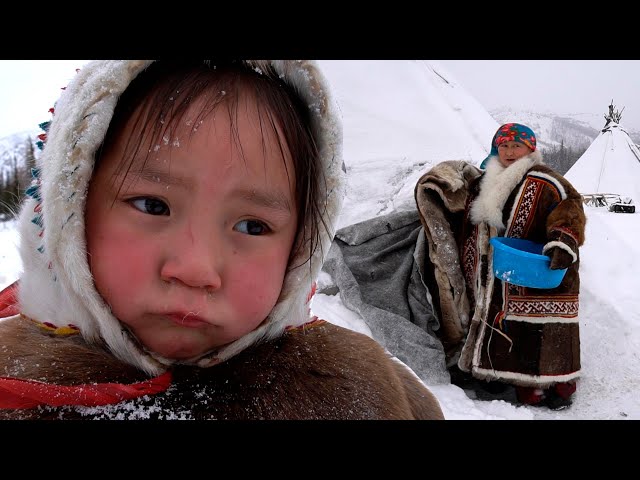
(577, 130)
(15, 145)
(13, 151)
(562, 138)
(18, 153)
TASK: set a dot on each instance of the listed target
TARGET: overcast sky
(28, 88)
(559, 86)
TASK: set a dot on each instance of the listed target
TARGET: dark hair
(165, 91)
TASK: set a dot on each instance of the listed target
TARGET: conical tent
(611, 164)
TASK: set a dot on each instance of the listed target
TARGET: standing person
(517, 335)
(179, 215)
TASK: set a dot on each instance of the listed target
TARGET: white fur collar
(496, 185)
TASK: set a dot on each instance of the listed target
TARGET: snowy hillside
(392, 104)
(12, 148)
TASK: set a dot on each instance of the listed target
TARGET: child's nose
(193, 259)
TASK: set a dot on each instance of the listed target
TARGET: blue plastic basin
(521, 262)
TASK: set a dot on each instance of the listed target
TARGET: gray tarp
(376, 266)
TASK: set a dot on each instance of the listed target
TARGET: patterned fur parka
(494, 329)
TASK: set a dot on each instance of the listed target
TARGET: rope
(604, 155)
(500, 315)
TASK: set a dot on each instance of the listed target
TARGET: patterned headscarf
(511, 132)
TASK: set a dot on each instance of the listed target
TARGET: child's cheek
(254, 288)
(122, 266)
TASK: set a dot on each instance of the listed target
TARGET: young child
(179, 215)
(521, 336)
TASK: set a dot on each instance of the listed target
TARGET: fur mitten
(560, 258)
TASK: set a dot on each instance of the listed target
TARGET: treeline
(15, 177)
(562, 158)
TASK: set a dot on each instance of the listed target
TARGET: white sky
(399, 123)
(557, 86)
(28, 89)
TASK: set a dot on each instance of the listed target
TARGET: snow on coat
(519, 335)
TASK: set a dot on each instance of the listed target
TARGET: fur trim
(447, 183)
(553, 181)
(548, 246)
(525, 380)
(496, 185)
(359, 380)
(57, 284)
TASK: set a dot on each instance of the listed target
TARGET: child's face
(512, 151)
(192, 253)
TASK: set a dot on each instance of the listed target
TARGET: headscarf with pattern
(511, 132)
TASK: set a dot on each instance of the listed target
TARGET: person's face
(511, 151)
(192, 252)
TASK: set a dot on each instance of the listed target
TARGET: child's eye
(251, 227)
(150, 205)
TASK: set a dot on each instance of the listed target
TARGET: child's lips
(188, 319)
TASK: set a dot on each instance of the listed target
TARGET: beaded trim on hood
(56, 283)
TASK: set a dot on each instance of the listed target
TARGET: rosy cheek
(255, 288)
(119, 265)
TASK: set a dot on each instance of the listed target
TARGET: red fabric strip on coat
(18, 393)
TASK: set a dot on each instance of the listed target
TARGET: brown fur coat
(317, 371)
(494, 329)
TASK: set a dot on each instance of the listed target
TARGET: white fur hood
(56, 285)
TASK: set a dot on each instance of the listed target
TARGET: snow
(10, 264)
(400, 119)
